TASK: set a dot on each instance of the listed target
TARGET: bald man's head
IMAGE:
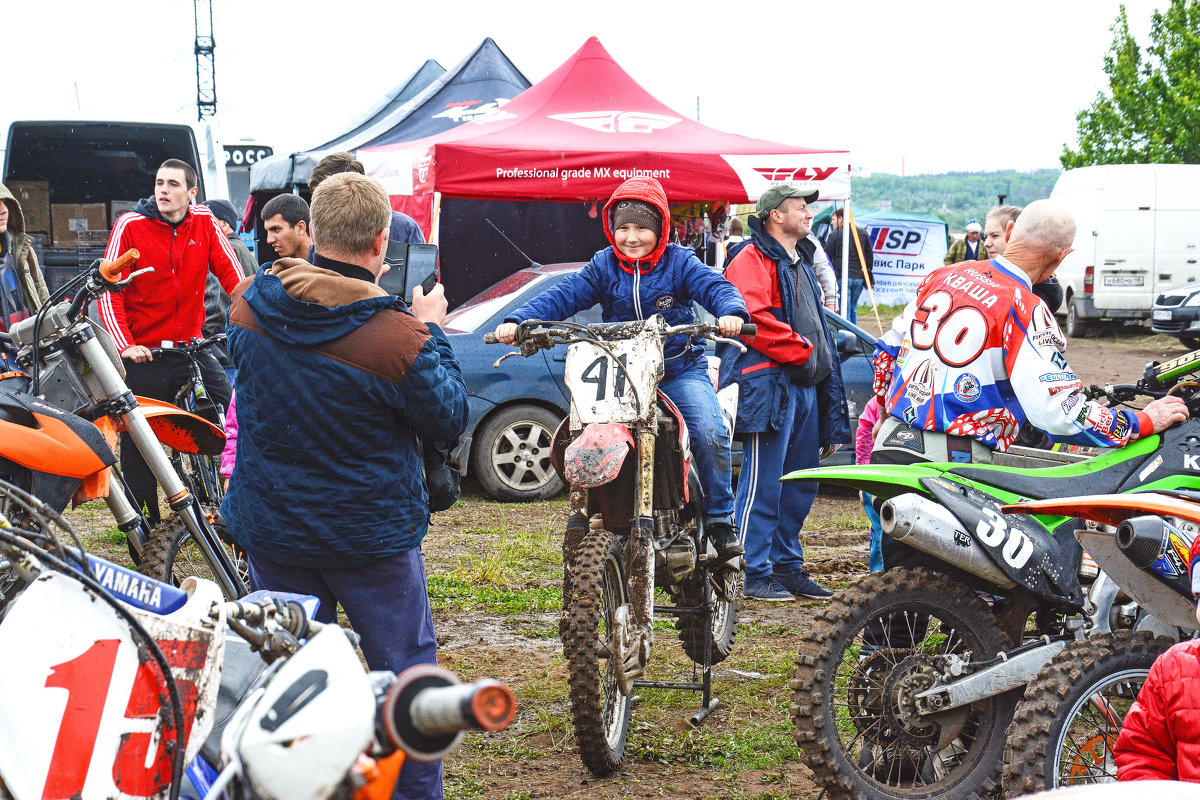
(1045, 225)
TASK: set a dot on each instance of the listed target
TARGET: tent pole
(435, 223)
(846, 261)
(866, 271)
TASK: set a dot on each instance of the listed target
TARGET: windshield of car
(479, 309)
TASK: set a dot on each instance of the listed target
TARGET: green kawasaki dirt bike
(907, 682)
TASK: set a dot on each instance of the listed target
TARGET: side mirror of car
(848, 344)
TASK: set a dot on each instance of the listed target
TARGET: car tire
(510, 454)
(1190, 341)
(1077, 327)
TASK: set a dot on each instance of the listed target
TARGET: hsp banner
(905, 251)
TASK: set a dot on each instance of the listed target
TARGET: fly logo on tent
(618, 121)
(788, 174)
(894, 240)
(468, 110)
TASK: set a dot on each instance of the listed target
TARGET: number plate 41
(608, 389)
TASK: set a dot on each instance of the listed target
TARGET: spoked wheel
(1064, 731)
(172, 554)
(859, 670)
(598, 598)
(202, 475)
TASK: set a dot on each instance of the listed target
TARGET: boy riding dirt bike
(639, 276)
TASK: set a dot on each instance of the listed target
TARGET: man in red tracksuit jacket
(181, 242)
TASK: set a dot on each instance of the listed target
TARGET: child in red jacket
(1160, 739)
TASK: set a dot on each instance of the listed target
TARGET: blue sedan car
(515, 410)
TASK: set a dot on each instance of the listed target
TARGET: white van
(1137, 234)
(73, 177)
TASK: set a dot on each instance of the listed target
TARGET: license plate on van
(1124, 280)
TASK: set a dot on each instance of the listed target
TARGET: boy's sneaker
(766, 589)
(725, 538)
(801, 585)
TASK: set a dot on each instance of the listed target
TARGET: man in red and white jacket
(181, 242)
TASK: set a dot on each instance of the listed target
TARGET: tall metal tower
(206, 75)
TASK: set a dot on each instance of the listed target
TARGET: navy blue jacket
(668, 289)
(764, 380)
(334, 378)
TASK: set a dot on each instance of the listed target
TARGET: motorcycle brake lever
(121, 284)
(741, 347)
(507, 355)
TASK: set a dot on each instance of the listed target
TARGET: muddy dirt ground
(835, 557)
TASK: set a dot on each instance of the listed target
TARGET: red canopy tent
(580, 132)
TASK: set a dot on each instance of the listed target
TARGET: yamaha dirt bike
(117, 688)
(1064, 730)
(909, 679)
(635, 523)
(60, 416)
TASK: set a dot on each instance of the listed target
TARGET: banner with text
(905, 252)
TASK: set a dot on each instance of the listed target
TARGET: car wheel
(510, 454)
(1077, 327)
(1190, 341)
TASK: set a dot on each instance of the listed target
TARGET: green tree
(1152, 111)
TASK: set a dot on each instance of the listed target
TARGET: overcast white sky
(924, 86)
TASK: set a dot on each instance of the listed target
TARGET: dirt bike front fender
(181, 430)
(882, 480)
(595, 457)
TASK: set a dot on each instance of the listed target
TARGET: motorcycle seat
(1102, 475)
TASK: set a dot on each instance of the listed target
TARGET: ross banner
(905, 251)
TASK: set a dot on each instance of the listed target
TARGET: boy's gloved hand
(729, 325)
(506, 332)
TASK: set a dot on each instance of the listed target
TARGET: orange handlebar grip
(111, 270)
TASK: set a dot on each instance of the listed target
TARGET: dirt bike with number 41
(909, 678)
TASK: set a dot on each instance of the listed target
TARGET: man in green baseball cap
(792, 402)
(772, 198)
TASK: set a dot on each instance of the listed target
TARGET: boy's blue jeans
(693, 393)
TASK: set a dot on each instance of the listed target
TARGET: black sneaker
(801, 585)
(766, 589)
(725, 538)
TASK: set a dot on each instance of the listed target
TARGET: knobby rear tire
(849, 691)
(1056, 738)
(694, 590)
(599, 710)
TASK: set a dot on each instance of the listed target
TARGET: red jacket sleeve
(1146, 749)
(112, 304)
(754, 276)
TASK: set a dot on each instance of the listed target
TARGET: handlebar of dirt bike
(252, 620)
(426, 710)
(111, 270)
(192, 347)
(748, 329)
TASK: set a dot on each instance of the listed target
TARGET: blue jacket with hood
(665, 283)
(334, 379)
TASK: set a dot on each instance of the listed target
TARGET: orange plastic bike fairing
(595, 458)
(181, 430)
(380, 776)
(1110, 509)
(52, 447)
(93, 487)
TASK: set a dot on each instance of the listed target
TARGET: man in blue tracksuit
(335, 379)
(792, 401)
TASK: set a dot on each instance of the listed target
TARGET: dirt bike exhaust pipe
(1142, 539)
(926, 526)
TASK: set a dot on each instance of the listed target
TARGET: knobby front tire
(600, 710)
(1064, 730)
